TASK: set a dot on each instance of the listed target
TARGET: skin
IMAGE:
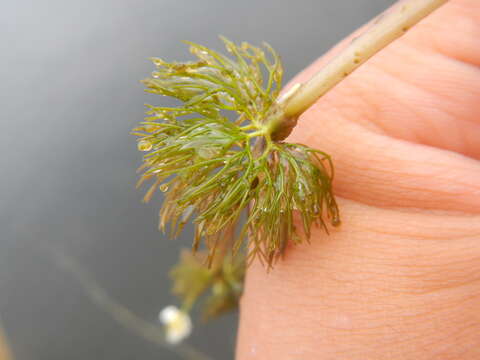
(400, 278)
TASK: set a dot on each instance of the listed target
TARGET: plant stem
(388, 28)
(121, 314)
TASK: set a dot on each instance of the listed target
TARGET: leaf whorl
(217, 170)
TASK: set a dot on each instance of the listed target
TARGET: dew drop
(144, 145)
(163, 188)
(336, 221)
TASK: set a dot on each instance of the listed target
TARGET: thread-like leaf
(215, 169)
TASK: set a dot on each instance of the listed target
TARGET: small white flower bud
(177, 324)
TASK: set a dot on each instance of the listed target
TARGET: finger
(387, 285)
(378, 170)
(356, 293)
(364, 122)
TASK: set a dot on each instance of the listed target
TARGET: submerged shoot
(220, 157)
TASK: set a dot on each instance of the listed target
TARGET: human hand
(399, 279)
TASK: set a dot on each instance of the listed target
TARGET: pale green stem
(388, 28)
(118, 312)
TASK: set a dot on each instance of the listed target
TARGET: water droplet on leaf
(163, 187)
(144, 145)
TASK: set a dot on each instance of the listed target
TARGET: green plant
(216, 169)
(224, 170)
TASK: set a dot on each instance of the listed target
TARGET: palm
(399, 278)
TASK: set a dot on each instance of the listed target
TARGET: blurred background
(69, 96)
